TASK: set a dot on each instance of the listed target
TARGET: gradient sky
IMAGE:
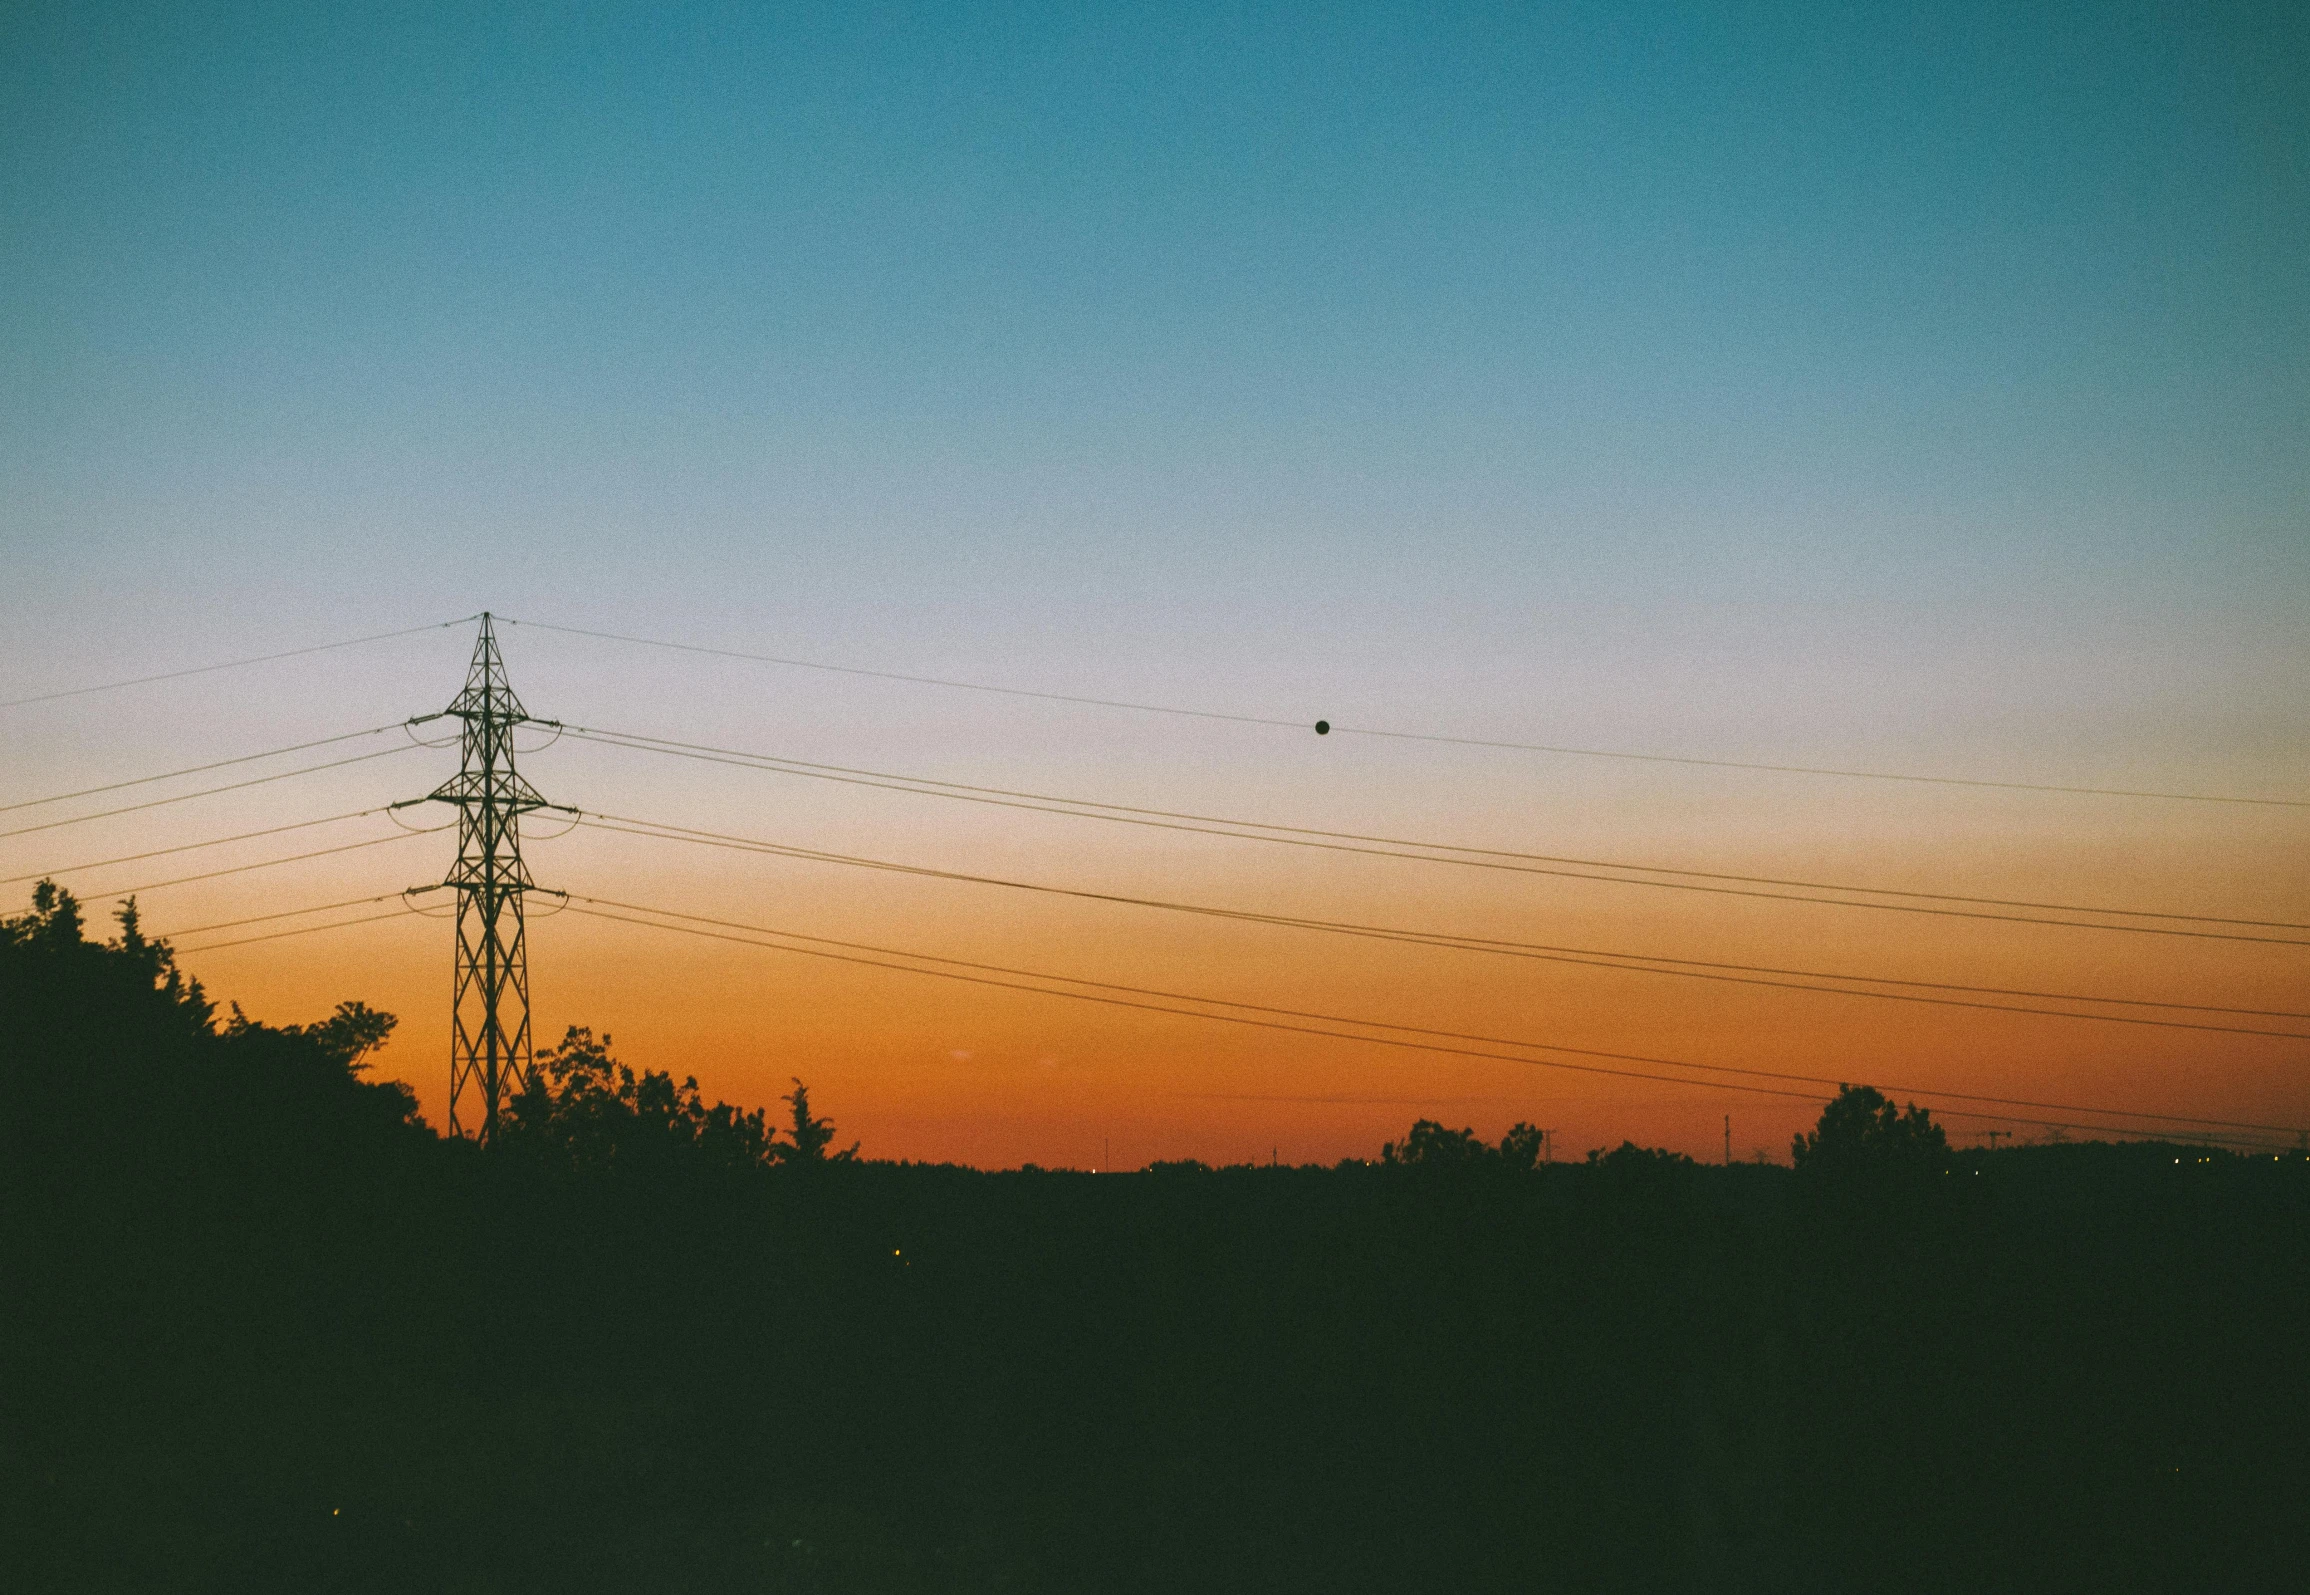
(1899, 388)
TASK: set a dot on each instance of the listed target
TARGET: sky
(1897, 389)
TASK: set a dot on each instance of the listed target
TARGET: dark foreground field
(261, 1332)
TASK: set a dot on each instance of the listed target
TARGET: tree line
(266, 1329)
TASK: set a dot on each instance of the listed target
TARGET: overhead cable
(1585, 957)
(284, 913)
(212, 791)
(1265, 1016)
(263, 863)
(1438, 852)
(186, 847)
(1339, 729)
(232, 664)
(302, 930)
(921, 681)
(196, 769)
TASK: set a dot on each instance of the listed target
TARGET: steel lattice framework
(489, 1049)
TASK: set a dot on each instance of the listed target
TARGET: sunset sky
(1885, 389)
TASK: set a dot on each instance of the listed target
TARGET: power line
(625, 825)
(1380, 1024)
(1086, 997)
(779, 764)
(230, 664)
(284, 913)
(1449, 847)
(922, 681)
(1422, 736)
(303, 930)
(1594, 958)
(234, 786)
(266, 863)
(1849, 775)
(196, 769)
(186, 847)
(1394, 847)
(982, 973)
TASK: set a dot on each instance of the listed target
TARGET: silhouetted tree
(118, 1022)
(1861, 1131)
(600, 1115)
(351, 1033)
(1431, 1145)
(1521, 1147)
(55, 983)
(811, 1135)
(1628, 1156)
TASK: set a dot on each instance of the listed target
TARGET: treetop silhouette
(1862, 1132)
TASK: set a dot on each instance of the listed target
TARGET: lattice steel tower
(489, 1047)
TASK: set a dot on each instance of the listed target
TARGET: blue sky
(1778, 343)
(1664, 276)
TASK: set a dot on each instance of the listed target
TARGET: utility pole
(1996, 1136)
(1728, 1140)
(489, 1043)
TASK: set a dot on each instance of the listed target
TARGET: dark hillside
(263, 1330)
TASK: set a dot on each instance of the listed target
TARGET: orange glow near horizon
(932, 1069)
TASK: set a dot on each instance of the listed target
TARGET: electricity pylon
(489, 1045)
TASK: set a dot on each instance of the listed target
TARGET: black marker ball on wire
(1323, 728)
